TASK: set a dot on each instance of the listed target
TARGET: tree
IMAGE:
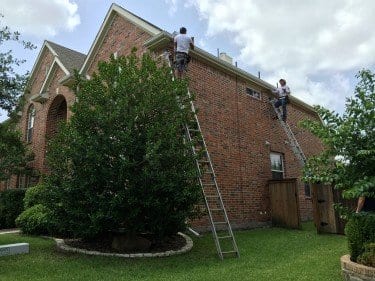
(122, 160)
(12, 84)
(348, 160)
(14, 155)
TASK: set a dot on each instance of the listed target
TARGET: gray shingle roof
(69, 58)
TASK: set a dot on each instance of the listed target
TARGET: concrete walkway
(10, 231)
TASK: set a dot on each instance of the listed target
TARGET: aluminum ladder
(220, 226)
(297, 150)
(221, 229)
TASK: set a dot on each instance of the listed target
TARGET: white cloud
(40, 18)
(310, 43)
(173, 5)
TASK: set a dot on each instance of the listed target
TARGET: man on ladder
(282, 97)
(182, 45)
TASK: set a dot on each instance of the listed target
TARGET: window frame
(30, 123)
(307, 186)
(280, 171)
(253, 93)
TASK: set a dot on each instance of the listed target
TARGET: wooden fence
(326, 218)
(284, 203)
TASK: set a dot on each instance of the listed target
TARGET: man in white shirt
(182, 45)
(282, 97)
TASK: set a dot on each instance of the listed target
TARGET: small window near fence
(307, 189)
(253, 93)
(277, 166)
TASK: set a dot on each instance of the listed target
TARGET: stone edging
(356, 271)
(10, 231)
(189, 245)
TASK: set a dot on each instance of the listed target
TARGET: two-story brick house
(234, 113)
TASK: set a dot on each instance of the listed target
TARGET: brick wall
(236, 128)
(121, 37)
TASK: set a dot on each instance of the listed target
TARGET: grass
(266, 254)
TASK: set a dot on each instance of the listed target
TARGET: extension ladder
(297, 150)
(220, 226)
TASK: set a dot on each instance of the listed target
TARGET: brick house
(234, 114)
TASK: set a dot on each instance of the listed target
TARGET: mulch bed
(175, 242)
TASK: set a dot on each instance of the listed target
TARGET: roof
(66, 58)
(69, 58)
(163, 38)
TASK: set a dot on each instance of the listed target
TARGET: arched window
(30, 123)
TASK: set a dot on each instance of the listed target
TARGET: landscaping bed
(104, 245)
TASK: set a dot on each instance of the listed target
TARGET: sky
(317, 46)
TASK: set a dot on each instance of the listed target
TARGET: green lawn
(266, 254)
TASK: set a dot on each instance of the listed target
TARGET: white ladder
(297, 150)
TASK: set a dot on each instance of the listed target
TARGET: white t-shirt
(183, 43)
(282, 91)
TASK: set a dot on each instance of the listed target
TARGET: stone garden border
(356, 272)
(189, 245)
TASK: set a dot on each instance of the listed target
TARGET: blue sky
(317, 46)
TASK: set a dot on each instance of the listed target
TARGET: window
(30, 123)
(23, 181)
(7, 184)
(307, 189)
(277, 166)
(253, 93)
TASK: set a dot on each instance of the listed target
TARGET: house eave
(162, 40)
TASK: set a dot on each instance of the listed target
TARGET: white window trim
(282, 163)
(248, 89)
(30, 123)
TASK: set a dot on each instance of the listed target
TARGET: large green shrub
(360, 230)
(11, 205)
(122, 161)
(35, 220)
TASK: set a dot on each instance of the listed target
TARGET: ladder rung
(208, 184)
(212, 196)
(216, 210)
(221, 222)
(224, 237)
(203, 161)
(229, 252)
(193, 130)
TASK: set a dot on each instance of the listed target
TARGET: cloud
(173, 5)
(41, 18)
(310, 43)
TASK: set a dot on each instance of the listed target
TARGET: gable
(112, 23)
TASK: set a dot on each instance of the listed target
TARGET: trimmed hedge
(11, 206)
(35, 220)
(360, 231)
(35, 195)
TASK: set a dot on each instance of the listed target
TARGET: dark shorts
(182, 60)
